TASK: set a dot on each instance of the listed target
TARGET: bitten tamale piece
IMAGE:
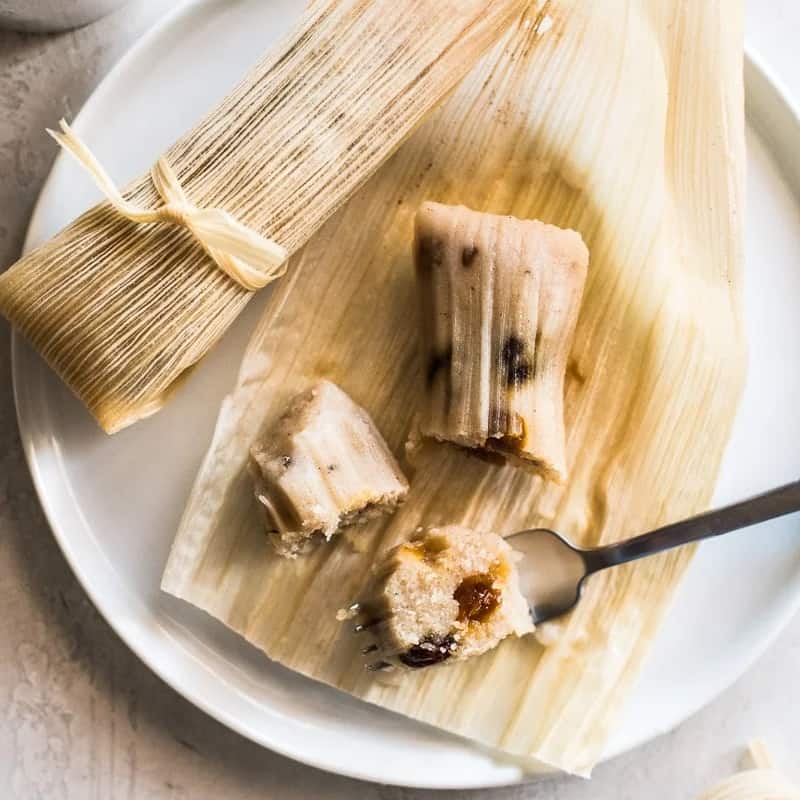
(500, 300)
(450, 594)
(323, 466)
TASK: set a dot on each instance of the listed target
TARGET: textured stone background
(81, 718)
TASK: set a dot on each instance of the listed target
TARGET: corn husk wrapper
(122, 311)
(758, 779)
(622, 119)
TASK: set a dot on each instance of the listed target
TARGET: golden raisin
(477, 598)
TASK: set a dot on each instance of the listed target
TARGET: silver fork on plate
(553, 571)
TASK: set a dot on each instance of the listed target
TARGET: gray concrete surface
(82, 718)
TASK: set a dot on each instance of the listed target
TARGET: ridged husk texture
(121, 311)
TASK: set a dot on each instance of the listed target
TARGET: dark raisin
(438, 361)
(331, 467)
(514, 348)
(468, 256)
(517, 366)
(286, 460)
(431, 650)
(430, 253)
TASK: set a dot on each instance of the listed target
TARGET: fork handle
(760, 508)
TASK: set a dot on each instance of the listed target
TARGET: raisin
(477, 598)
(517, 366)
(468, 256)
(431, 650)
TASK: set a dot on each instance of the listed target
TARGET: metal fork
(553, 571)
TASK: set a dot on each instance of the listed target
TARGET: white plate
(114, 503)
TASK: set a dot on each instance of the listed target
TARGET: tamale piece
(447, 595)
(122, 311)
(499, 300)
(633, 135)
(323, 466)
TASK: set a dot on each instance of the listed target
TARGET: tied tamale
(622, 120)
(122, 311)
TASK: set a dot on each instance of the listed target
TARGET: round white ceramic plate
(114, 503)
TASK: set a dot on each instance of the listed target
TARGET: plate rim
(266, 738)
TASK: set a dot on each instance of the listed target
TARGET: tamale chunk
(500, 299)
(322, 466)
(451, 593)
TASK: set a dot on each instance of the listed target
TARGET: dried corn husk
(758, 780)
(122, 311)
(623, 120)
